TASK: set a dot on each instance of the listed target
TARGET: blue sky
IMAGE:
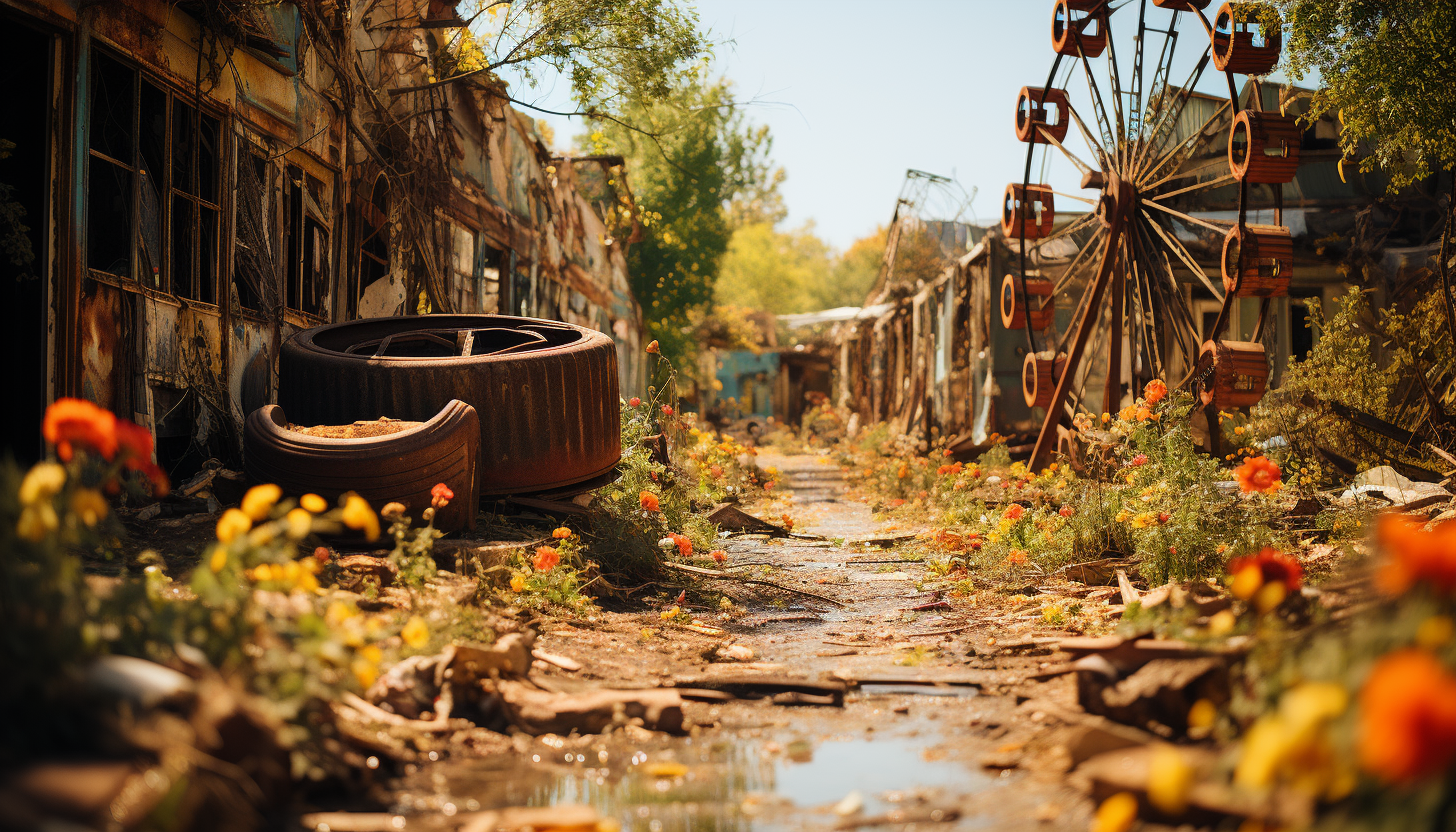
(856, 92)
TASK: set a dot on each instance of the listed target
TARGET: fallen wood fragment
(565, 816)
(761, 686)
(355, 821)
(568, 664)
(543, 712)
(733, 519)
(719, 576)
(900, 817)
(1129, 592)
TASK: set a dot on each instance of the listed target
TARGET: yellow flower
(263, 535)
(42, 482)
(1201, 717)
(415, 633)
(1435, 632)
(232, 523)
(314, 503)
(1247, 582)
(1270, 596)
(1290, 743)
(339, 612)
(1221, 623)
(300, 523)
(372, 654)
(1116, 814)
(89, 505)
(1169, 779)
(262, 573)
(218, 559)
(670, 612)
(364, 671)
(358, 515)
(518, 582)
(259, 500)
(36, 521)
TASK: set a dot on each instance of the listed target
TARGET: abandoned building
(199, 180)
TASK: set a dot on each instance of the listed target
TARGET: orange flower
(648, 501)
(71, 422)
(1273, 566)
(1413, 554)
(1013, 512)
(684, 544)
(561, 533)
(1016, 558)
(546, 559)
(718, 555)
(652, 348)
(134, 449)
(1155, 391)
(1407, 718)
(1259, 474)
(441, 495)
(634, 402)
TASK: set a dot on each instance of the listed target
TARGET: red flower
(1407, 718)
(1155, 391)
(648, 501)
(1139, 460)
(1013, 512)
(652, 348)
(634, 401)
(684, 545)
(71, 422)
(546, 559)
(1259, 474)
(134, 450)
(768, 486)
(667, 410)
(718, 555)
(1165, 517)
(1273, 566)
(441, 495)
(1066, 511)
(1413, 554)
(321, 554)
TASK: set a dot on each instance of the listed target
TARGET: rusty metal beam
(1120, 199)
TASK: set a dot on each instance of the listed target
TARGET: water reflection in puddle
(717, 784)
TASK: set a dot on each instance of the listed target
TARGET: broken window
(464, 291)
(373, 236)
(305, 242)
(490, 262)
(254, 275)
(152, 192)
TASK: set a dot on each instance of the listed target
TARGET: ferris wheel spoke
(1145, 307)
(1181, 251)
(1211, 183)
(1165, 284)
(1220, 163)
(1184, 217)
(1071, 157)
(1099, 109)
(1158, 87)
(1087, 135)
(1079, 261)
(1169, 116)
(1071, 228)
(1119, 136)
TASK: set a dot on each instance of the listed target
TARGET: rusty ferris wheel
(1124, 258)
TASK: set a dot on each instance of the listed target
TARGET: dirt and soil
(940, 725)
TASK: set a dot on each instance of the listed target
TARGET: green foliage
(778, 271)
(1345, 368)
(609, 50)
(1388, 71)
(690, 154)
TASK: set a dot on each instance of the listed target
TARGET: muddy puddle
(747, 779)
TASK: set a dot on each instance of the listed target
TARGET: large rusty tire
(400, 467)
(546, 391)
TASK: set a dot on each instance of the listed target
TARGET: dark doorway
(25, 72)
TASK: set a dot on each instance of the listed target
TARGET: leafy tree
(694, 163)
(1388, 70)
(776, 271)
(611, 51)
(854, 272)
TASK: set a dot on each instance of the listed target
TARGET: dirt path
(951, 756)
